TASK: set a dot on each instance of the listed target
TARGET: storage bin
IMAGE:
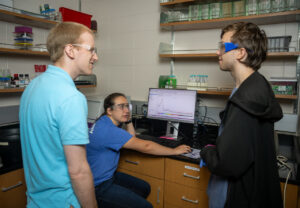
(279, 43)
(264, 6)
(215, 10)
(226, 9)
(284, 86)
(75, 16)
(205, 11)
(251, 7)
(239, 8)
(194, 12)
(278, 5)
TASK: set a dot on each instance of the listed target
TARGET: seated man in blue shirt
(115, 189)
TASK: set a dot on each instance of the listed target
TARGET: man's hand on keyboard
(181, 149)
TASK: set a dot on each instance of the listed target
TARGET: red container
(69, 15)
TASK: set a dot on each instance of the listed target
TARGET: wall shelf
(24, 19)
(263, 19)
(11, 90)
(227, 93)
(22, 52)
(214, 55)
(175, 2)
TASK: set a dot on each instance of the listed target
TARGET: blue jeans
(123, 191)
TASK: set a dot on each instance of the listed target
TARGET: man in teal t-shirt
(53, 124)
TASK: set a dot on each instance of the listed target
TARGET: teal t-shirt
(52, 113)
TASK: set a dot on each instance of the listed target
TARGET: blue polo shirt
(103, 151)
(52, 113)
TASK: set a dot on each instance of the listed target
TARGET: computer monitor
(172, 105)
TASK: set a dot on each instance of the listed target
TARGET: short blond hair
(62, 34)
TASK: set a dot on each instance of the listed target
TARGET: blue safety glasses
(227, 46)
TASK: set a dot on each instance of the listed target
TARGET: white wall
(128, 41)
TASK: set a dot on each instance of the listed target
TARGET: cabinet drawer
(142, 163)
(156, 196)
(185, 173)
(13, 189)
(184, 196)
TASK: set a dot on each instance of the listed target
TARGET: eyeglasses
(122, 106)
(93, 50)
(227, 46)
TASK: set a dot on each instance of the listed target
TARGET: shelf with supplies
(12, 90)
(228, 92)
(174, 54)
(269, 18)
(175, 2)
(23, 52)
(24, 19)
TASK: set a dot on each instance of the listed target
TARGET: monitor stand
(172, 129)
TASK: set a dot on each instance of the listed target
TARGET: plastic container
(251, 7)
(284, 86)
(205, 11)
(279, 43)
(264, 6)
(163, 79)
(75, 16)
(227, 9)
(215, 10)
(194, 12)
(172, 81)
(292, 4)
(278, 5)
(239, 8)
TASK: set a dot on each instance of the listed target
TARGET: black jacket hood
(262, 103)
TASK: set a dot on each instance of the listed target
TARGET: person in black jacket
(243, 161)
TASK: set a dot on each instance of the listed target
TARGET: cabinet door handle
(158, 191)
(132, 162)
(12, 187)
(190, 176)
(189, 200)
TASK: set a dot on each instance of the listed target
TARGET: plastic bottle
(1, 79)
(6, 82)
(21, 81)
(16, 80)
(189, 84)
(27, 80)
(172, 81)
(204, 83)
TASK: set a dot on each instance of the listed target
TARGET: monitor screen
(172, 105)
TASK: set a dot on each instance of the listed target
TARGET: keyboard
(161, 141)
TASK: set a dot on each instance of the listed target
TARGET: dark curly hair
(109, 101)
(249, 36)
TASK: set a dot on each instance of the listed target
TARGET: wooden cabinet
(178, 184)
(173, 183)
(13, 189)
(148, 168)
(185, 184)
(142, 163)
(292, 195)
(156, 196)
